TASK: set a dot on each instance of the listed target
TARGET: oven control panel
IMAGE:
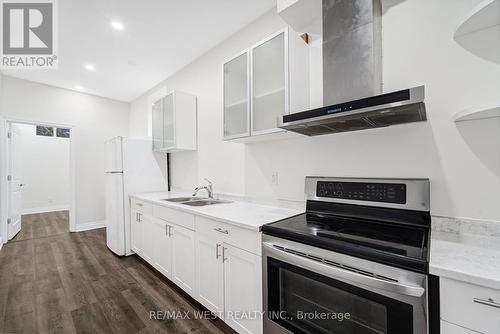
(361, 191)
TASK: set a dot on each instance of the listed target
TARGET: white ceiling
(159, 38)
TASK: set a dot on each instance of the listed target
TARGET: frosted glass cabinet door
(168, 121)
(236, 107)
(157, 121)
(268, 83)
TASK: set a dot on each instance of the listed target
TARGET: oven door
(312, 290)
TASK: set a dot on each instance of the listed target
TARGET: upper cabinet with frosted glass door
(274, 73)
(174, 122)
(236, 101)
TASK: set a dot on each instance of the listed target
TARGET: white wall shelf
(491, 111)
(479, 32)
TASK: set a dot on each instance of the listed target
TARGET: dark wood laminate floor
(39, 225)
(53, 281)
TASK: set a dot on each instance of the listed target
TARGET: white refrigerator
(131, 167)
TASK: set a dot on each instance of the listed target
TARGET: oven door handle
(396, 287)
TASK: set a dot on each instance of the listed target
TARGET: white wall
(2, 163)
(463, 162)
(95, 119)
(44, 169)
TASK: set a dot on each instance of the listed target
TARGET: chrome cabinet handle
(217, 251)
(166, 230)
(169, 230)
(221, 230)
(139, 204)
(224, 258)
(487, 302)
(139, 217)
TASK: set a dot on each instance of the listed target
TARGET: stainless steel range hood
(351, 62)
(399, 107)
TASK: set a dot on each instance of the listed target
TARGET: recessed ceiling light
(78, 87)
(90, 67)
(117, 25)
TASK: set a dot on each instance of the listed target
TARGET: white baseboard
(90, 226)
(43, 209)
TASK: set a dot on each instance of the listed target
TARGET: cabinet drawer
(174, 216)
(232, 235)
(470, 306)
(141, 206)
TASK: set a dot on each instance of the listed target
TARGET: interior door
(15, 183)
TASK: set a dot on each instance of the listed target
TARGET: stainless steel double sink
(195, 201)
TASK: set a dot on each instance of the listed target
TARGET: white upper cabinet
(269, 78)
(268, 73)
(236, 102)
(174, 122)
(157, 125)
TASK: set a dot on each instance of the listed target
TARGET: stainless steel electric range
(356, 262)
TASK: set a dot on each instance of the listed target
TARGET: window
(44, 131)
(62, 132)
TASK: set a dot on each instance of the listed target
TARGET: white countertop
(243, 214)
(466, 257)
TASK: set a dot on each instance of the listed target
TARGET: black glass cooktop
(391, 236)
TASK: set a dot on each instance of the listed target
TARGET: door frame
(4, 170)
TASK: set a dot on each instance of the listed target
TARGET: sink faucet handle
(209, 182)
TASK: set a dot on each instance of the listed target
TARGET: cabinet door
(148, 238)
(168, 121)
(209, 273)
(135, 232)
(242, 289)
(157, 128)
(269, 83)
(236, 102)
(163, 247)
(449, 328)
(183, 266)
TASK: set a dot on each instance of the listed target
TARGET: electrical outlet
(274, 178)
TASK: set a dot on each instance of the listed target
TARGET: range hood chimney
(352, 76)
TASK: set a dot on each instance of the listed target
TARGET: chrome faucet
(208, 188)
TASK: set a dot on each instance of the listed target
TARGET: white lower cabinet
(183, 252)
(216, 263)
(447, 328)
(469, 306)
(228, 277)
(163, 247)
(135, 232)
(210, 273)
(148, 234)
(242, 290)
